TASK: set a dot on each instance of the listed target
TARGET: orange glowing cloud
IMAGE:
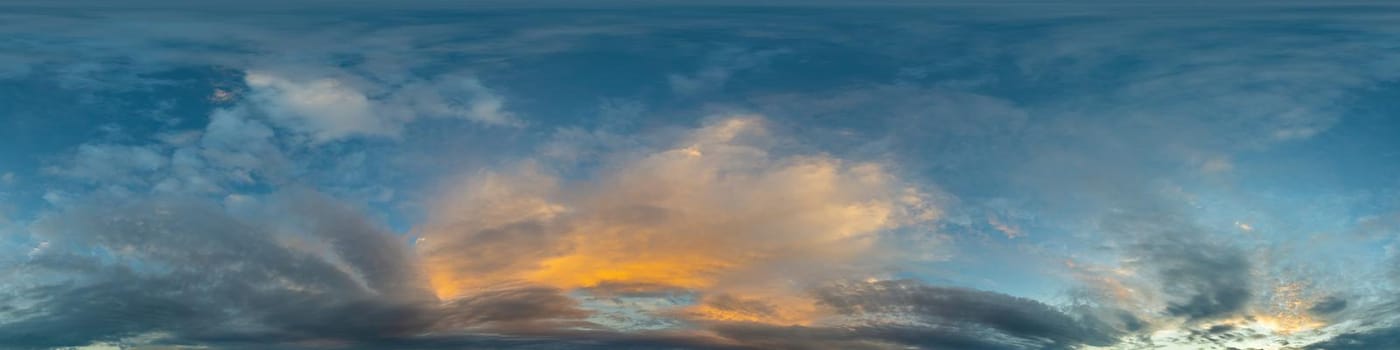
(715, 212)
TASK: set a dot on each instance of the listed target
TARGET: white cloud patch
(328, 109)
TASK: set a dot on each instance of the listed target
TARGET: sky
(699, 175)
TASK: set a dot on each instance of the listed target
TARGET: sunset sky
(436, 174)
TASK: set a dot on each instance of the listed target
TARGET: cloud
(718, 68)
(1205, 75)
(959, 134)
(232, 149)
(723, 234)
(186, 271)
(901, 314)
(455, 96)
(1379, 338)
(718, 212)
(328, 109)
(713, 211)
(1214, 286)
(1328, 305)
(516, 308)
(112, 164)
(1202, 278)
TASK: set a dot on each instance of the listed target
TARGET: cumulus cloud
(233, 149)
(327, 109)
(713, 211)
(331, 108)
